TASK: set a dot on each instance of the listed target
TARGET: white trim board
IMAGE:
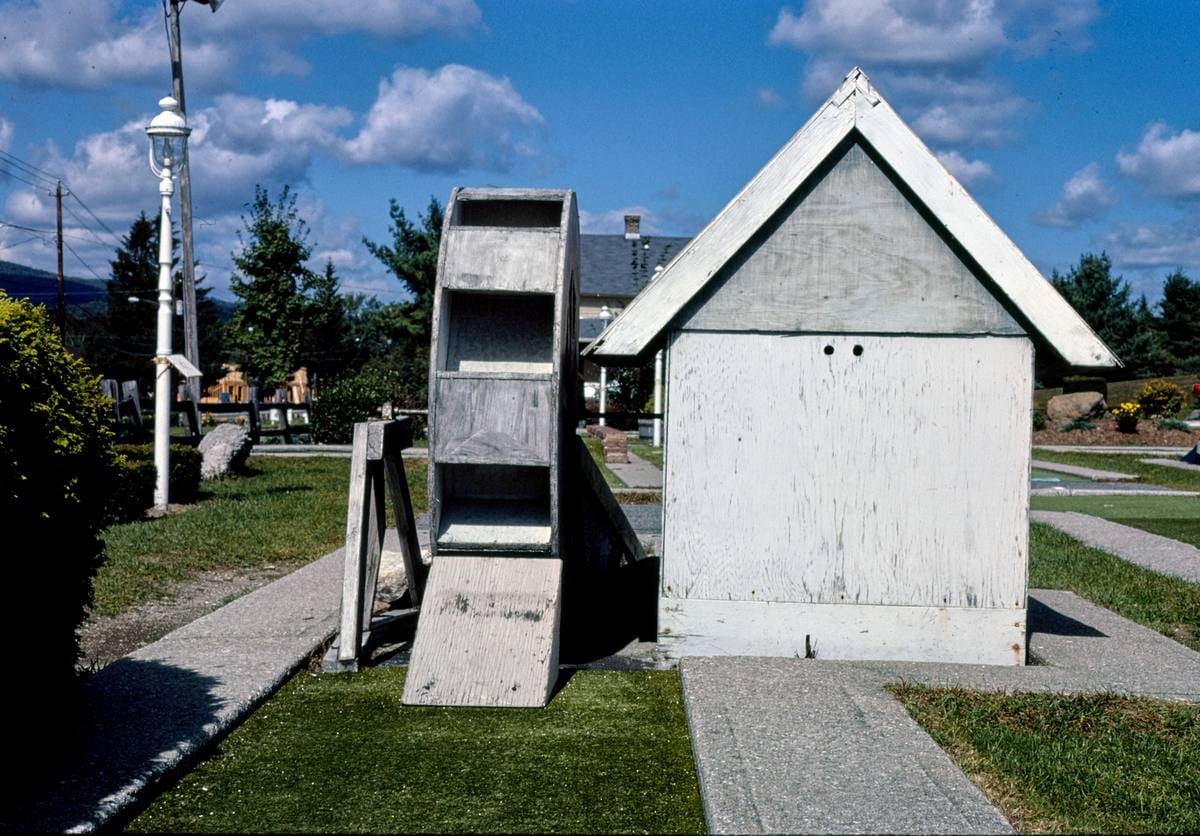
(854, 107)
(965, 635)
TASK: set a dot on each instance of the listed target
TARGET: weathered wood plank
(364, 540)
(496, 421)
(499, 332)
(491, 525)
(594, 480)
(406, 527)
(899, 476)
(849, 253)
(966, 635)
(488, 634)
(516, 260)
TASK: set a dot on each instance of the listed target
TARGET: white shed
(849, 399)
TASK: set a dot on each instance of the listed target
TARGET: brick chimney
(633, 227)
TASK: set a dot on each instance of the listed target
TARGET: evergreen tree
(412, 258)
(270, 281)
(1103, 301)
(328, 347)
(1179, 320)
(130, 336)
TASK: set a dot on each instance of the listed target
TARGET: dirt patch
(1106, 434)
(104, 639)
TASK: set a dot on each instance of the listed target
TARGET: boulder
(1077, 406)
(225, 449)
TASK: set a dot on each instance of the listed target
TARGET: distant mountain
(40, 286)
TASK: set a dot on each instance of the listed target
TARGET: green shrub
(134, 492)
(1079, 424)
(57, 468)
(1162, 398)
(1039, 418)
(341, 403)
(1172, 424)
(1084, 383)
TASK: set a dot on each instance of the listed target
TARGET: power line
(15, 176)
(81, 261)
(50, 232)
(30, 167)
(106, 227)
(84, 226)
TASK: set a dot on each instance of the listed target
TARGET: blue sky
(1075, 124)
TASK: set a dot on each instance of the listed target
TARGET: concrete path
(1131, 450)
(639, 473)
(1109, 489)
(155, 709)
(1161, 554)
(797, 745)
(1194, 468)
(1085, 472)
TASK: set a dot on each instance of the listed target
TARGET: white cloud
(453, 118)
(1166, 163)
(1170, 246)
(768, 98)
(6, 134)
(1085, 197)
(934, 57)
(967, 172)
(394, 19)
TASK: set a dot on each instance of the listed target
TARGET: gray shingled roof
(610, 265)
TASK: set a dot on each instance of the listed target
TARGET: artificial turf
(1070, 764)
(1177, 517)
(339, 753)
(1151, 474)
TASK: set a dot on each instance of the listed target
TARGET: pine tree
(328, 348)
(271, 278)
(1179, 320)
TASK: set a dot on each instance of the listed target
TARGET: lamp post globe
(168, 132)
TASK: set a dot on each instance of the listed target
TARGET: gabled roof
(613, 265)
(855, 108)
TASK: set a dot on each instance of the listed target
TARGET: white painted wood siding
(897, 477)
(487, 258)
(850, 255)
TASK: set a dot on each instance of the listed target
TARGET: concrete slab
(1109, 489)
(1152, 551)
(1194, 468)
(638, 473)
(1131, 450)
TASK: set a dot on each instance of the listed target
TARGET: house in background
(612, 270)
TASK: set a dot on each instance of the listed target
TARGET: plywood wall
(899, 475)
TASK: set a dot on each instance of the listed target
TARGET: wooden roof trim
(855, 105)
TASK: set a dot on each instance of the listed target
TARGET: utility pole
(61, 296)
(191, 339)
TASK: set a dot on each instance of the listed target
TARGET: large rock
(225, 449)
(1075, 407)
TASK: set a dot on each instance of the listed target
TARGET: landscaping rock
(616, 444)
(1077, 406)
(225, 449)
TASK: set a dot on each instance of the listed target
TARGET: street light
(606, 317)
(168, 133)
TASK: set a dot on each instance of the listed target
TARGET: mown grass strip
(1151, 474)
(596, 448)
(339, 753)
(288, 512)
(647, 451)
(1177, 517)
(1163, 603)
(1085, 763)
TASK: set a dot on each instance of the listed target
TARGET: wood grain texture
(517, 260)
(900, 476)
(500, 332)
(488, 633)
(841, 631)
(849, 253)
(364, 543)
(494, 421)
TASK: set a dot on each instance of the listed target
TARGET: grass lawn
(1124, 390)
(1163, 603)
(647, 451)
(1152, 474)
(338, 753)
(1055, 763)
(1177, 517)
(291, 511)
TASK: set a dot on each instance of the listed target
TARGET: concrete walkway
(1160, 554)
(1085, 472)
(1130, 450)
(154, 710)
(796, 745)
(638, 473)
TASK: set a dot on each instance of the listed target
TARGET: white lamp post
(168, 145)
(606, 316)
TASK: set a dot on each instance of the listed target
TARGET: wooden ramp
(488, 634)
